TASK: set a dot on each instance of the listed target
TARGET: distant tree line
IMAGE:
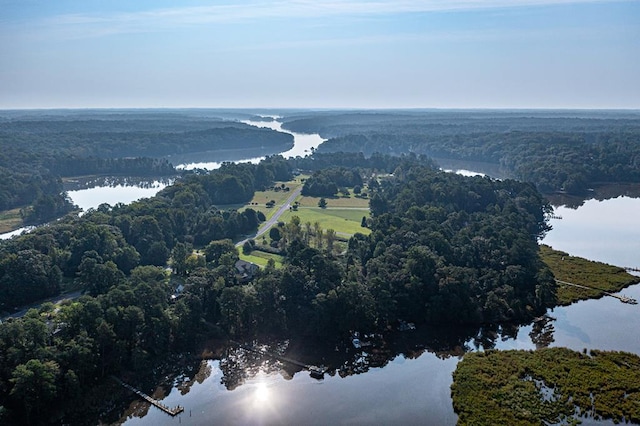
(36, 151)
(569, 151)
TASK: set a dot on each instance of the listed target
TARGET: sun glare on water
(262, 393)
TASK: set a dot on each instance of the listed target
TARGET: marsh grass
(547, 386)
(600, 276)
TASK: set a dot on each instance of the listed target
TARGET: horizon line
(337, 108)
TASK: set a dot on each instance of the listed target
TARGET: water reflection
(303, 145)
(408, 374)
(600, 193)
(77, 184)
(542, 331)
(606, 231)
(91, 192)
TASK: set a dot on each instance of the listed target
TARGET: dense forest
(443, 249)
(570, 151)
(38, 148)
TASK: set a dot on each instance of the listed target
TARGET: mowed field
(261, 258)
(342, 214)
(351, 202)
(261, 198)
(10, 220)
(345, 221)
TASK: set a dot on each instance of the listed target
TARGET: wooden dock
(631, 269)
(622, 298)
(170, 411)
(316, 372)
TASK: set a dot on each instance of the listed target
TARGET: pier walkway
(622, 298)
(171, 411)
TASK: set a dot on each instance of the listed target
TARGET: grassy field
(341, 202)
(602, 277)
(261, 198)
(343, 221)
(343, 214)
(10, 220)
(261, 258)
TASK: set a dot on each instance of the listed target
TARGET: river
(91, 192)
(303, 144)
(117, 191)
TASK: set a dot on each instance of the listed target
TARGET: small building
(245, 270)
(178, 293)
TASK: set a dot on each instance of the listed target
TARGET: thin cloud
(84, 25)
(429, 37)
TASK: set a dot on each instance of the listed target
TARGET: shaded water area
(406, 379)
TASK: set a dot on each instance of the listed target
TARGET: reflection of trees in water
(542, 332)
(238, 364)
(114, 181)
(600, 193)
(203, 373)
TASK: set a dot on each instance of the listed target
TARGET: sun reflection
(262, 393)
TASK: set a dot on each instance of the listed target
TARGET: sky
(320, 54)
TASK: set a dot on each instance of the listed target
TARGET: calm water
(92, 194)
(127, 192)
(303, 144)
(410, 384)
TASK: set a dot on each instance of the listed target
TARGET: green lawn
(261, 258)
(343, 221)
(343, 215)
(261, 198)
(351, 201)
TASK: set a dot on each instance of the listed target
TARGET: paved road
(274, 219)
(55, 300)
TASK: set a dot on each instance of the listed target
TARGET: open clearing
(351, 201)
(261, 258)
(343, 221)
(10, 220)
(342, 214)
(261, 198)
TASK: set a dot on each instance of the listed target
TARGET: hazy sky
(320, 53)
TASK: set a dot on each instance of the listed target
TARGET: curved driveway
(274, 218)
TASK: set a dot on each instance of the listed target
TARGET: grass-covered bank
(547, 386)
(10, 220)
(603, 278)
